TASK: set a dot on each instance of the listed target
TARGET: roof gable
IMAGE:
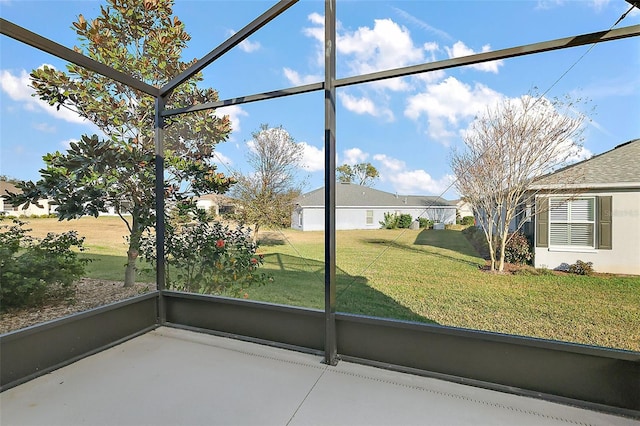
(617, 167)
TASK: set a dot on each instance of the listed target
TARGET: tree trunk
(503, 244)
(132, 254)
(130, 271)
(255, 233)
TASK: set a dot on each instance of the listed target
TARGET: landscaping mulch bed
(90, 293)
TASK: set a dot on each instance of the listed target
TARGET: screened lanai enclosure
(349, 305)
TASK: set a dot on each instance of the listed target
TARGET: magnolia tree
(505, 149)
(267, 192)
(116, 172)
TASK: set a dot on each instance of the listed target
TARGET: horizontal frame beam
(44, 44)
(314, 87)
(529, 49)
(512, 52)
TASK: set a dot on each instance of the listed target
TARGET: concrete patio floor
(178, 377)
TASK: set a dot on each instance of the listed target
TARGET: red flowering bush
(208, 257)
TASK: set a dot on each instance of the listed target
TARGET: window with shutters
(572, 222)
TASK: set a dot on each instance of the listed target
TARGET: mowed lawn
(428, 276)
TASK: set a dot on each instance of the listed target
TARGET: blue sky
(404, 127)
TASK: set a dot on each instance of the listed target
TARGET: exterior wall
(46, 209)
(623, 258)
(209, 206)
(356, 217)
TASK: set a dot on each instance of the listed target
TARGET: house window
(572, 222)
(369, 217)
(300, 218)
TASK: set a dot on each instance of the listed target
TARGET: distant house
(46, 206)
(361, 207)
(590, 211)
(464, 207)
(216, 204)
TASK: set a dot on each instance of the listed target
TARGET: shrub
(390, 221)
(517, 249)
(425, 223)
(34, 270)
(468, 221)
(404, 221)
(581, 268)
(208, 258)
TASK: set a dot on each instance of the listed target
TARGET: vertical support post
(159, 192)
(330, 344)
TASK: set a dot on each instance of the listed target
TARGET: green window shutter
(603, 216)
(542, 222)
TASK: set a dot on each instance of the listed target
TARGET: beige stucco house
(594, 218)
(45, 207)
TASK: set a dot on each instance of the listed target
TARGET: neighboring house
(590, 211)
(46, 207)
(464, 207)
(361, 207)
(216, 204)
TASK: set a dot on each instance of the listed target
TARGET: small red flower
(220, 243)
(254, 260)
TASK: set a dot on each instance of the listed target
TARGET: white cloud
(312, 157)
(447, 103)
(220, 158)
(66, 144)
(247, 45)
(598, 5)
(354, 156)
(385, 46)
(45, 127)
(579, 153)
(405, 181)
(364, 105)
(17, 87)
(421, 24)
(234, 112)
(549, 4)
(391, 164)
(297, 80)
(459, 49)
(431, 46)
(317, 33)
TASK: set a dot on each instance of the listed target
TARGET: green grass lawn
(435, 276)
(427, 276)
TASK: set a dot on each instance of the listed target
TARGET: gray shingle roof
(620, 165)
(352, 195)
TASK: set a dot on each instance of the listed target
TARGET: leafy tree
(363, 174)
(142, 39)
(506, 148)
(266, 194)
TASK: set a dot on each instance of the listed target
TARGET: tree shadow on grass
(446, 239)
(271, 239)
(300, 282)
(426, 238)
